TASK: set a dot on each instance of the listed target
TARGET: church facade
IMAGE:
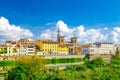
(74, 47)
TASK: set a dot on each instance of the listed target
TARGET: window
(30, 49)
(30, 52)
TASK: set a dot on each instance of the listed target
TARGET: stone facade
(99, 48)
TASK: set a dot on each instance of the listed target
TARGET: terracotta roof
(18, 46)
(29, 44)
(2, 46)
(24, 40)
(13, 42)
(49, 41)
(86, 45)
(103, 43)
(63, 45)
(8, 41)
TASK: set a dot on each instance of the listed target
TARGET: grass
(63, 60)
(47, 61)
(7, 63)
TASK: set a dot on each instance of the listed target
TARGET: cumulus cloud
(12, 32)
(105, 28)
(84, 35)
(116, 33)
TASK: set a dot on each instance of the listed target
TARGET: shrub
(26, 65)
(17, 73)
(98, 62)
(85, 59)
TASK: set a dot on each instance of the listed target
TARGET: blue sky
(36, 14)
(73, 12)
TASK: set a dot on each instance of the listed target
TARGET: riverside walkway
(63, 65)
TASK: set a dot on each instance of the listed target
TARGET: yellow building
(3, 49)
(11, 48)
(72, 46)
(47, 47)
(63, 49)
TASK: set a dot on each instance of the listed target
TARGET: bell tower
(60, 38)
(74, 40)
(58, 35)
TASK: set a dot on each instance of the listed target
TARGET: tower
(60, 38)
(74, 40)
(58, 35)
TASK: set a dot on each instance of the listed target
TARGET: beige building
(74, 48)
(11, 47)
(99, 48)
(30, 48)
(3, 49)
(26, 47)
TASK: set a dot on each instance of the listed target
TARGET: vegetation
(63, 60)
(3, 51)
(7, 63)
(26, 68)
(46, 61)
(33, 68)
(98, 62)
(17, 73)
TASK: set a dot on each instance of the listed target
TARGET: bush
(85, 59)
(115, 61)
(62, 60)
(98, 62)
(81, 68)
(17, 73)
(27, 65)
(7, 63)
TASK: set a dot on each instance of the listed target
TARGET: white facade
(26, 51)
(30, 50)
(9, 50)
(99, 48)
(22, 51)
(39, 53)
(62, 53)
(11, 47)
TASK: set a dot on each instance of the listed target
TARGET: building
(30, 48)
(11, 47)
(63, 50)
(86, 49)
(22, 42)
(26, 47)
(99, 48)
(3, 49)
(117, 46)
(73, 47)
(22, 46)
(22, 51)
(47, 47)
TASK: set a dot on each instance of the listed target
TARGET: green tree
(17, 73)
(117, 53)
(98, 62)
(31, 64)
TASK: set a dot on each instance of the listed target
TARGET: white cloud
(116, 34)
(12, 32)
(49, 23)
(105, 28)
(83, 35)
(88, 36)
(62, 26)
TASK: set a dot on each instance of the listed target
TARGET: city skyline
(89, 21)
